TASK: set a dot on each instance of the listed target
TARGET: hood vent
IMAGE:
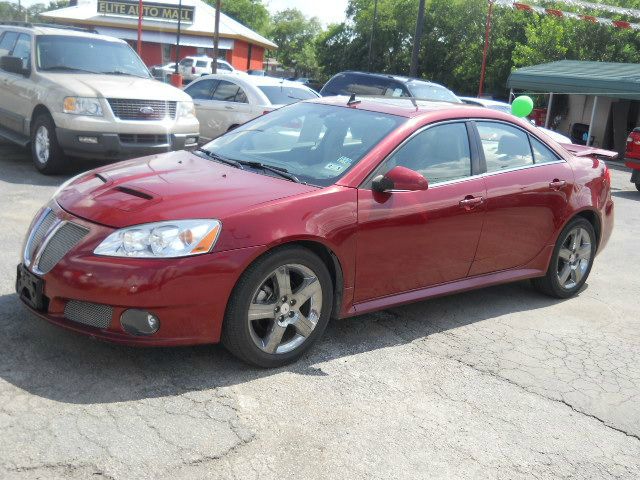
(135, 193)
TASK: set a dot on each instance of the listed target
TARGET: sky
(328, 11)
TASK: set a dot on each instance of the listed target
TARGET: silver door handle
(229, 107)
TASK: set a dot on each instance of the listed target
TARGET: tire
(232, 127)
(638, 186)
(46, 154)
(279, 332)
(571, 262)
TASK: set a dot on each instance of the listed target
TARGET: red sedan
(323, 209)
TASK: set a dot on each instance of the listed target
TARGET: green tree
(251, 13)
(295, 36)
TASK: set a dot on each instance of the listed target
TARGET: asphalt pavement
(496, 383)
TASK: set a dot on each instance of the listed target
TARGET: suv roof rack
(48, 25)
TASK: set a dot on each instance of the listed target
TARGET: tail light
(634, 137)
(607, 174)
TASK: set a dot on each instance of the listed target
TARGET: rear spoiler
(584, 151)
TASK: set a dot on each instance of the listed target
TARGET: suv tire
(46, 153)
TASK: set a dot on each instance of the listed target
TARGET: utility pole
(485, 53)
(178, 37)
(216, 38)
(373, 29)
(413, 70)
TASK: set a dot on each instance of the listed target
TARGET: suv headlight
(186, 110)
(162, 239)
(82, 106)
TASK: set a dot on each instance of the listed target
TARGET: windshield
(316, 143)
(87, 55)
(430, 91)
(286, 95)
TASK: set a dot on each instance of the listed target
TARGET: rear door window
(201, 90)
(226, 91)
(7, 41)
(201, 63)
(542, 153)
(505, 147)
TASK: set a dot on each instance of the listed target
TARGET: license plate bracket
(30, 288)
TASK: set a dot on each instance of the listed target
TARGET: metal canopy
(617, 80)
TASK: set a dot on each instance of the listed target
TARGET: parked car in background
(224, 101)
(193, 67)
(376, 84)
(160, 72)
(322, 209)
(68, 92)
(257, 73)
(309, 82)
(506, 108)
(632, 156)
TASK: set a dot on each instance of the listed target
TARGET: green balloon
(522, 106)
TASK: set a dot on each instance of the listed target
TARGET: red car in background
(328, 208)
(632, 156)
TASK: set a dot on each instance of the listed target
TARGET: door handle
(469, 202)
(557, 184)
(229, 107)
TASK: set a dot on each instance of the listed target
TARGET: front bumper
(114, 146)
(189, 295)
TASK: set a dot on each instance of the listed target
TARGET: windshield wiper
(120, 72)
(283, 172)
(66, 69)
(221, 159)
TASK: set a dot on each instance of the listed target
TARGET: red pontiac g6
(328, 208)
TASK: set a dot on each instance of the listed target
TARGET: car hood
(116, 86)
(171, 186)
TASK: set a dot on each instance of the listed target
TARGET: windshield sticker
(346, 161)
(334, 167)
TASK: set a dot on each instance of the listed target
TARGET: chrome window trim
(561, 159)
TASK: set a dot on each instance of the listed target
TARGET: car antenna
(352, 100)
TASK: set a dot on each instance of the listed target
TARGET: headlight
(186, 110)
(82, 106)
(162, 240)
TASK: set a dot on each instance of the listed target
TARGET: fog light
(191, 140)
(93, 140)
(139, 322)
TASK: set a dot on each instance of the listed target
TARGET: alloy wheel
(574, 258)
(285, 309)
(42, 144)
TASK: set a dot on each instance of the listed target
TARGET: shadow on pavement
(63, 366)
(627, 194)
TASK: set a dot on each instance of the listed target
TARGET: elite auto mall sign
(155, 11)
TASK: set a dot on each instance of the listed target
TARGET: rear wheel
(279, 308)
(46, 154)
(638, 186)
(571, 261)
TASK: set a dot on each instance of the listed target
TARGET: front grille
(37, 235)
(144, 139)
(63, 240)
(126, 109)
(91, 314)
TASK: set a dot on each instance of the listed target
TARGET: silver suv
(69, 92)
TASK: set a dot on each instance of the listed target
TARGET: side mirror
(12, 65)
(399, 179)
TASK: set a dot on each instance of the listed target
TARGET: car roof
(404, 107)
(255, 80)
(399, 78)
(43, 29)
(485, 101)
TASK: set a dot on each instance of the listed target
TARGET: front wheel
(279, 308)
(571, 261)
(46, 154)
(638, 186)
